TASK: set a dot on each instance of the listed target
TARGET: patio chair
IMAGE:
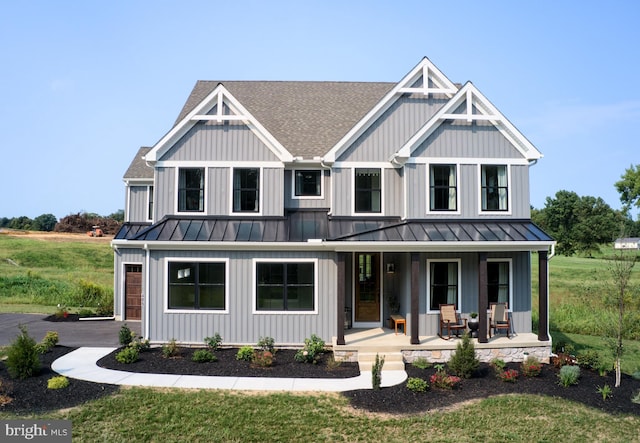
(499, 318)
(450, 320)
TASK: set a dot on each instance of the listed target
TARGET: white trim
(254, 298)
(217, 164)
(200, 112)
(354, 213)
(459, 295)
(127, 203)
(428, 190)
(469, 160)
(150, 193)
(509, 190)
(307, 197)
(176, 190)
(165, 290)
(354, 279)
(510, 261)
(260, 191)
(403, 86)
(356, 164)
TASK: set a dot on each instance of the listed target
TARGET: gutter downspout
(147, 279)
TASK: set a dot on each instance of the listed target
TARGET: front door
(133, 292)
(367, 290)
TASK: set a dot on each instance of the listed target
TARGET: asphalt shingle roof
(138, 167)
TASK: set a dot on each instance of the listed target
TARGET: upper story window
(307, 183)
(191, 190)
(194, 285)
(442, 188)
(444, 283)
(368, 190)
(498, 282)
(246, 190)
(494, 188)
(150, 205)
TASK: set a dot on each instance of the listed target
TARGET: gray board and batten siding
(137, 210)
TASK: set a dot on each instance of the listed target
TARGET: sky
(85, 84)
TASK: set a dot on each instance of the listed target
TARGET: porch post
(415, 299)
(483, 297)
(340, 294)
(543, 296)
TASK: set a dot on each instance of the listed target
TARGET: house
(627, 243)
(285, 209)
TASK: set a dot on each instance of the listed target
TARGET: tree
(117, 216)
(44, 222)
(629, 187)
(22, 222)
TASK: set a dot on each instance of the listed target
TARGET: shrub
(170, 350)
(125, 335)
(421, 363)
(245, 353)
(569, 375)
(508, 375)
(85, 313)
(443, 380)
(60, 382)
(140, 345)
(531, 367)
(48, 342)
(88, 294)
(22, 356)
(332, 363)
(416, 384)
(605, 391)
(376, 372)
(203, 356)
(498, 365)
(267, 344)
(127, 355)
(312, 350)
(463, 362)
(105, 307)
(589, 359)
(263, 359)
(213, 342)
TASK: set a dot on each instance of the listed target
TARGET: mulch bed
(70, 317)
(32, 396)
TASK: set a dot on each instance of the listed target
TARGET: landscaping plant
(203, 356)
(416, 384)
(508, 375)
(22, 356)
(267, 344)
(128, 355)
(531, 366)
(605, 391)
(48, 342)
(245, 353)
(443, 380)
(214, 342)
(376, 372)
(59, 382)
(463, 362)
(170, 350)
(421, 363)
(125, 335)
(569, 375)
(312, 350)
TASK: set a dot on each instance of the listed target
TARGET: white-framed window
(499, 281)
(443, 188)
(443, 283)
(494, 188)
(196, 285)
(150, 198)
(307, 184)
(285, 286)
(368, 190)
(191, 189)
(246, 190)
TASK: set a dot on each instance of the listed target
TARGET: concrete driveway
(72, 334)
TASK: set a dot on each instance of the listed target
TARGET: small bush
(508, 375)
(569, 375)
(605, 391)
(376, 372)
(442, 380)
(125, 335)
(60, 382)
(128, 355)
(267, 344)
(85, 313)
(203, 356)
(170, 350)
(312, 350)
(105, 307)
(262, 359)
(463, 362)
(140, 345)
(421, 363)
(245, 353)
(48, 342)
(214, 342)
(498, 365)
(332, 363)
(589, 359)
(22, 356)
(531, 367)
(416, 384)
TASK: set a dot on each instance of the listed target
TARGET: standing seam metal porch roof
(302, 226)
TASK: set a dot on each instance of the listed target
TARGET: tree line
(79, 222)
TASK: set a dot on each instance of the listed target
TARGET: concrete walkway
(81, 364)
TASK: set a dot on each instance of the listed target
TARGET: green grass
(48, 273)
(143, 414)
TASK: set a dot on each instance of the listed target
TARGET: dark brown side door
(133, 292)
(367, 296)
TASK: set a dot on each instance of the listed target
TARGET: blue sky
(84, 84)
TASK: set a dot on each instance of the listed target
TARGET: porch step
(393, 360)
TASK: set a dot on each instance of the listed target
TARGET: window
(191, 190)
(285, 286)
(443, 283)
(150, 206)
(498, 281)
(443, 194)
(494, 188)
(196, 285)
(246, 190)
(308, 183)
(368, 195)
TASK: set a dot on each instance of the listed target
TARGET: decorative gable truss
(469, 105)
(220, 107)
(425, 79)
